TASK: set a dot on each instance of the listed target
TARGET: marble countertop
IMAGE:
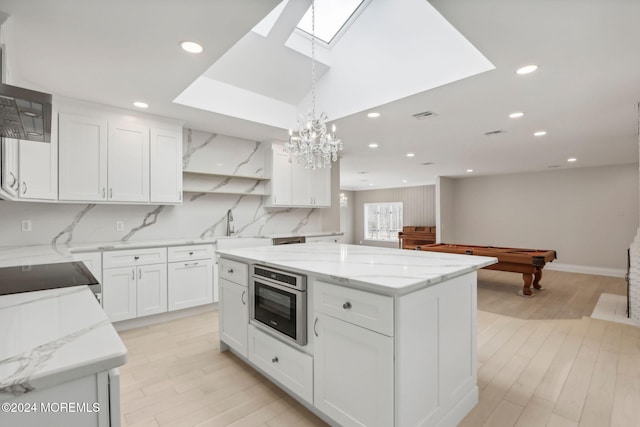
(54, 336)
(383, 270)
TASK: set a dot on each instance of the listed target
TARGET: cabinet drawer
(288, 366)
(186, 253)
(371, 311)
(237, 272)
(132, 257)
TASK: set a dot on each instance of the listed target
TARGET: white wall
(418, 209)
(588, 215)
(444, 209)
(347, 218)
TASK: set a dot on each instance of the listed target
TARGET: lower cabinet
(130, 292)
(291, 368)
(353, 373)
(234, 315)
(190, 283)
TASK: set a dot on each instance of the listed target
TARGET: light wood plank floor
(562, 370)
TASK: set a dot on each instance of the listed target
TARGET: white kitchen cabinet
(234, 315)
(151, 289)
(353, 373)
(128, 162)
(119, 293)
(280, 186)
(191, 280)
(288, 366)
(190, 283)
(134, 283)
(96, 396)
(166, 166)
(293, 185)
(10, 180)
(37, 170)
(82, 157)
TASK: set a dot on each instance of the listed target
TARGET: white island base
(404, 358)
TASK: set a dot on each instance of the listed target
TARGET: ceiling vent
(426, 163)
(494, 132)
(424, 115)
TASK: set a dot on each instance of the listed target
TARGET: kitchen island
(390, 334)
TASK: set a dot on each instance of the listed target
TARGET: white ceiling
(584, 93)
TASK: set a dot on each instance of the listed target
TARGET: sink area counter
(382, 270)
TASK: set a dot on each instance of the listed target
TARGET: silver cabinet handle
(315, 331)
(190, 264)
(111, 193)
(140, 274)
(190, 253)
(230, 271)
(242, 298)
(24, 187)
(275, 360)
(104, 193)
(179, 195)
(133, 274)
(136, 257)
(15, 180)
(346, 305)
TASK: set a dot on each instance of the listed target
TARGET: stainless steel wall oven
(278, 302)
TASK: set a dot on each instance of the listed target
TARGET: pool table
(529, 262)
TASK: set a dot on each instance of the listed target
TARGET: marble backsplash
(64, 223)
(203, 215)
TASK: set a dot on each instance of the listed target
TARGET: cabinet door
(119, 293)
(151, 289)
(190, 283)
(300, 185)
(280, 179)
(82, 157)
(10, 180)
(321, 187)
(128, 168)
(353, 373)
(166, 166)
(38, 170)
(234, 315)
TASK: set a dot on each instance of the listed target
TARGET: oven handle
(242, 297)
(315, 331)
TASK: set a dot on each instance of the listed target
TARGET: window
(331, 17)
(382, 221)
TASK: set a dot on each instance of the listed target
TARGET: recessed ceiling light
(469, 170)
(141, 104)
(373, 115)
(362, 172)
(373, 145)
(540, 133)
(191, 47)
(411, 155)
(527, 69)
(370, 184)
(572, 159)
(404, 181)
(516, 115)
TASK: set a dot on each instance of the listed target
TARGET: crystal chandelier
(313, 145)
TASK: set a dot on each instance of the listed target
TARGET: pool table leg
(536, 280)
(528, 278)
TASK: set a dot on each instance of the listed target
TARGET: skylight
(331, 17)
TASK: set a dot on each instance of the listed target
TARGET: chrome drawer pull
(190, 253)
(230, 271)
(136, 257)
(315, 331)
(188, 264)
(275, 359)
(242, 298)
(346, 305)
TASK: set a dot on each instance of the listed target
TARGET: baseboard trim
(163, 317)
(586, 269)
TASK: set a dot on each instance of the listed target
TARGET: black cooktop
(38, 277)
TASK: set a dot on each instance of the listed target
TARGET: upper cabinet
(83, 158)
(109, 157)
(29, 170)
(292, 185)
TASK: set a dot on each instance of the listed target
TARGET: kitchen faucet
(229, 221)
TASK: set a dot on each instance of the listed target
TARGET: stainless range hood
(25, 114)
